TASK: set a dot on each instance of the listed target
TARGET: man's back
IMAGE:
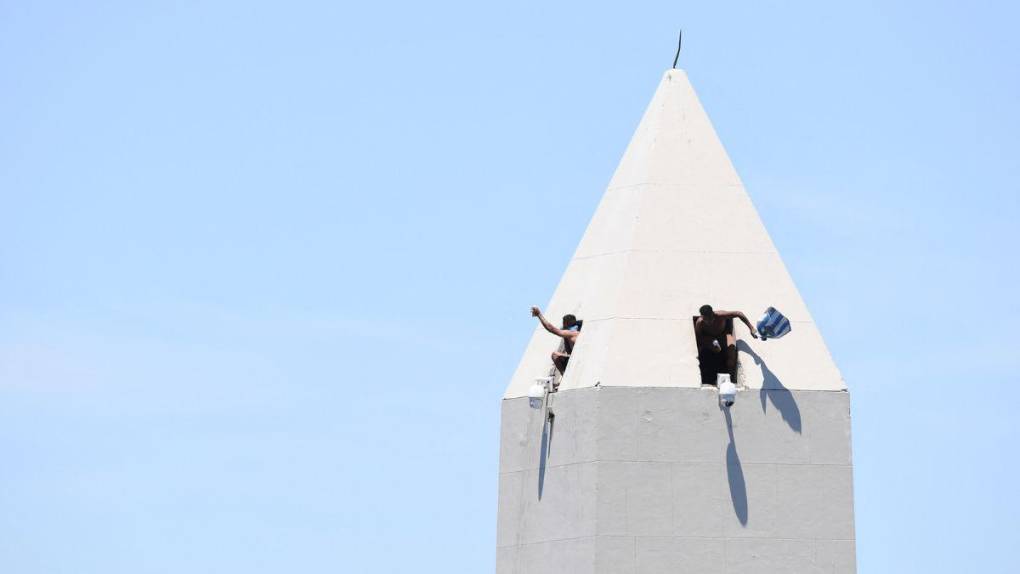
(715, 327)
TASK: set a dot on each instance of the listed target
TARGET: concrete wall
(655, 480)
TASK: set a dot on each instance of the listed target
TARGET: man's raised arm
(742, 317)
(536, 312)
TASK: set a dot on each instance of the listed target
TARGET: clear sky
(265, 269)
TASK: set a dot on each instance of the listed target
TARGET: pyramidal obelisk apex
(640, 469)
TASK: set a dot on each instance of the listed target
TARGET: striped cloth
(773, 324)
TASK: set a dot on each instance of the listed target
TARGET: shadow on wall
(735, 474)
(543, 454)
(772, 389)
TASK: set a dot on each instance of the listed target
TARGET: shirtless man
(713, 328)
(567, 333)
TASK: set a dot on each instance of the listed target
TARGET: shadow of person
(772, 389)
(735, 474)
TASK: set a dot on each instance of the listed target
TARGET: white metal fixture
(538, 391)
(727, 390)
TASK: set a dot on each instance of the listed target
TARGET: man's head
(570, 321)
(706, 311)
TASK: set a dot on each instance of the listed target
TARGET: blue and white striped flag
(773, 324)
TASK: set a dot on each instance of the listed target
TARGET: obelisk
(641, 470)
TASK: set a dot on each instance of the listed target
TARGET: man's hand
(536, 312)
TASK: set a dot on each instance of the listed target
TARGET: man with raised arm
(569, 333)
(714, 332)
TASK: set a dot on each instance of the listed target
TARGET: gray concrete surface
(663, 480)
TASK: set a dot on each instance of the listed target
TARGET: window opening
(715, 354)
(564, 351)
(559, 365)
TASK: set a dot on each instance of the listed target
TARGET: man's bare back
(715, 326)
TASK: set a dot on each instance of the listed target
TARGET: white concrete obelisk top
(675, 230)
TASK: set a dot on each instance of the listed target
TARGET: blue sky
(265, 269)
